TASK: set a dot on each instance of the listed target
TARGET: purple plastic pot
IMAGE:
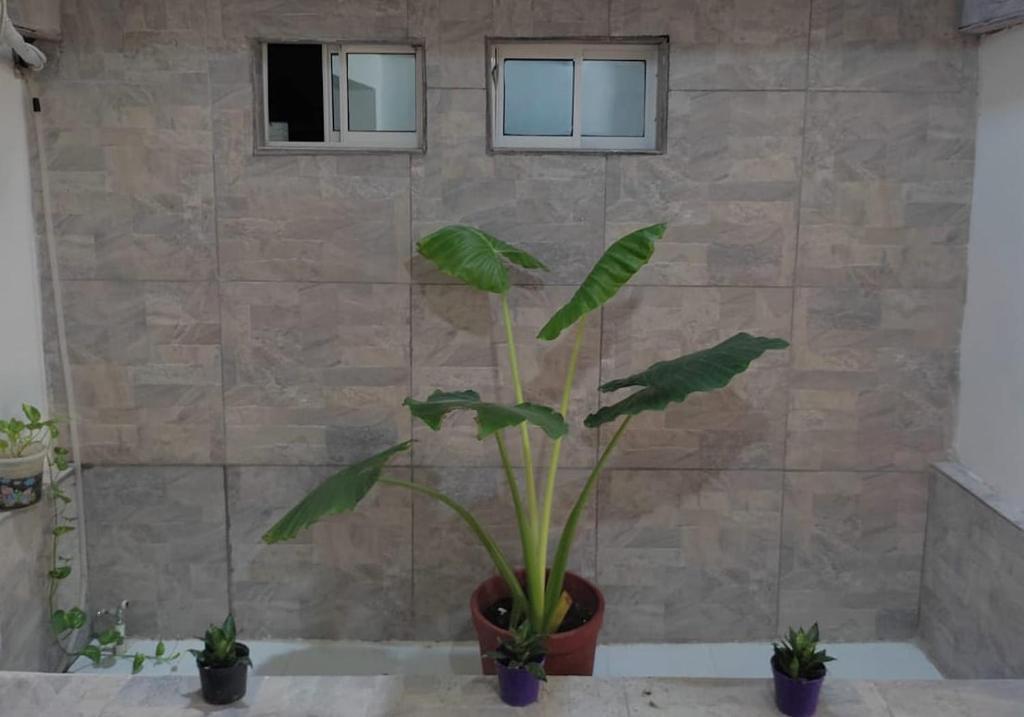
(796, 698)
(518, 688)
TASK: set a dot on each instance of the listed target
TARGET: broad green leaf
(161, 648)
(61, 572)
(490, 417)
(76, 618)
(672, 381)
(108, 637)
(59, 622)
(137, 662)
(93, 653)
(339, 493)
(616, 266)
(475, 257)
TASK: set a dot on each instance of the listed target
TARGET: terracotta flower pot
(569, 653)
(21, 480)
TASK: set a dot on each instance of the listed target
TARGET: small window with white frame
(569, 96)
(362, 97)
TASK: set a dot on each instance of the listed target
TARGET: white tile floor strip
(857, 661)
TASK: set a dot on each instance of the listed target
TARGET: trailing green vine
(65, 622)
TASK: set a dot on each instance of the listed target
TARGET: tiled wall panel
(270, 314)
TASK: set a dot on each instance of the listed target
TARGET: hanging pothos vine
(64, 623)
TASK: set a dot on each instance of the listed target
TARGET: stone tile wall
(972, 592)
(239, 324)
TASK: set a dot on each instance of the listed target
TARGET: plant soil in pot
(21, 480)
(223, 665)
(569, 652)
(799, 671)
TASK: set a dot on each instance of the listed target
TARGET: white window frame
(651, 53)
(344, 140)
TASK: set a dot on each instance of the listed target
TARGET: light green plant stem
(497, 557)
(534, 573)
(556, 450)
(554, 586)
(517, 501)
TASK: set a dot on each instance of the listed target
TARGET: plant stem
(554, 587)
(517, 501)
(534, 573)
(556, 450)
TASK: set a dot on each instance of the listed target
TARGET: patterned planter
(21, 480)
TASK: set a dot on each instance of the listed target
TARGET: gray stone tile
(348, 577)
(314, 373)
(454, 32)
(882, 45)
(242, 20)
(157, 537)
(739, 426)
(549, 205)
(145, 362)
(872, 378)
(972, 590)
(551, 18)
(953, 698)
(689, 555)
(458, 342)
(450, 562)
(724, 46)
(302, 218)
(886, 190)
(851, 553)
(728, 189)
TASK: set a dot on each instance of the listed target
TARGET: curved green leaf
(672, 381)
(490, 417)
(339, 493)
(474, 256)
(616, 266)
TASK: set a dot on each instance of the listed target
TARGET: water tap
(119, 625)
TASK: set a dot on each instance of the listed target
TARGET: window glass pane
(538, 97)
(613, 98)
(336, 92)
(381, 92)
(295, 93)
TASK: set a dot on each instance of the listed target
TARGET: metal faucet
(119, 625)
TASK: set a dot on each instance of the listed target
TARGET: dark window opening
(295, 93)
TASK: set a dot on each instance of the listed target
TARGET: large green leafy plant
(483, 262)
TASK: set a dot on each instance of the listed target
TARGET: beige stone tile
(459, 342)
(454, 32)
(334, 19)
(145, 362)
(314, 373)
(156, 537)
(450, 562)
(724, 45)
(728, 189)
(689, 555)
(882, 45)
(551, 18)
(886, 190)
(873, 376)
(851, 553)
(739, 426)
(348, 577)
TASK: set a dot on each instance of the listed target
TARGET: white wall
(22, 376)
(990, 424)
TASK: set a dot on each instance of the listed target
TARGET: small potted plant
(799, 669)
(223, 664)
(25, 447)
(520, 664)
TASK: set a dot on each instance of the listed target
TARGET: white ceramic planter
(21, 480)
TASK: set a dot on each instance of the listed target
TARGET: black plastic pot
(224, 685)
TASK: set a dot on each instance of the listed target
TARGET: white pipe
(62, 342)
(9, 35)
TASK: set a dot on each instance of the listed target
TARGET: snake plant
(483, 261)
